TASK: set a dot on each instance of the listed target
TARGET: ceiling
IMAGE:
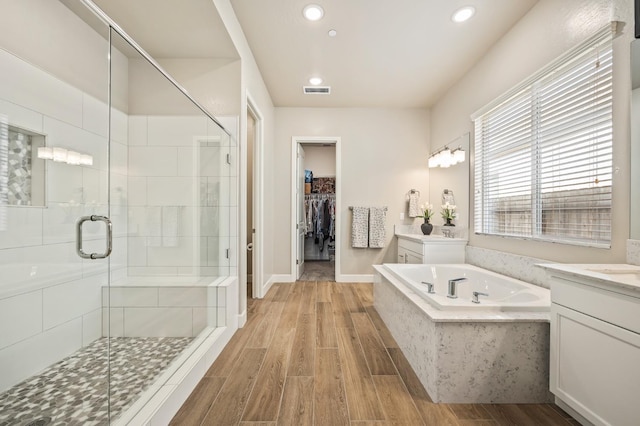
(402, 53)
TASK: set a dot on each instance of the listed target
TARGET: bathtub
(494, 352)
(504, 293)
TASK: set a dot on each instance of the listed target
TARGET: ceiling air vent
(316, 90)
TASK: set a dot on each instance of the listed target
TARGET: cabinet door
(408, 256)
(413, 258)
(595, 367)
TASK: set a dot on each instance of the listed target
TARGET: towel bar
(385, 208)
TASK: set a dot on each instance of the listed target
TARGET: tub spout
(452, 292)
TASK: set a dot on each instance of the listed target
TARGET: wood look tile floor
(317, 353)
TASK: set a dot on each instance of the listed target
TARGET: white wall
(384, 155)
(549, 29)
(214, 83)
(61, 43)
(253, 85)
(321, 160)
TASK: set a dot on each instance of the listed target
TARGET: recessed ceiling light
(463, 14)
(315, 81)
(313, 12)
(332, 33)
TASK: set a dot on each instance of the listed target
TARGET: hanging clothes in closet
(320, 212)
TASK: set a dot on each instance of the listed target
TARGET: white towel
(377, 231)
(414, 201)
(169, 226)
(360, 227)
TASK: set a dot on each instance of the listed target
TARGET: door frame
(258, 289)
(295, 141)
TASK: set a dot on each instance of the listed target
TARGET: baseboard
(282, 278)
(354, 278)
(573, 413)
(267, 285)
(242, 318)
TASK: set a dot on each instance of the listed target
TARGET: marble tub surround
(512, 265)
(467, 356)
(633, 252)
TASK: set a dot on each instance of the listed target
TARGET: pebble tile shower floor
(74, 390)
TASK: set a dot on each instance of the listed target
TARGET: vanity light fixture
(463, 14)
(444, 157)
(62, 155)
(313, 12)
(315, 81)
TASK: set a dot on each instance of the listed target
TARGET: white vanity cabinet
(430, 249)
(595, 348)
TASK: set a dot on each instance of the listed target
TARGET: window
(543, 153)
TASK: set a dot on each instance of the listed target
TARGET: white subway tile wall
(50, 298)
(179, 204)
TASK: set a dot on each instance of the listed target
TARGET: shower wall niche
(25, 176)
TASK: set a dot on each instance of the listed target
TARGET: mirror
(634, 216)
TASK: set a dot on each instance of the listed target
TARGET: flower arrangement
(448, 212)
(427, 211)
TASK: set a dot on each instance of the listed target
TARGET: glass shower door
(170, 187)
(54, 170)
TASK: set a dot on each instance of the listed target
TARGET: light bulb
(446, 158)
(459, 155)
(313, 12)
(463, 14)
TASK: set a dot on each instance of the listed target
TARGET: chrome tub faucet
(452, 292)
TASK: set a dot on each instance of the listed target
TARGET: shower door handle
(94, 218)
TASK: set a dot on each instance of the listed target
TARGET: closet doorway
(316, 201)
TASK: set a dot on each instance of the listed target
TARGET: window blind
(543, 154)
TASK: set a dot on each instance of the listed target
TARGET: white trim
(281, 278)
(354, 278)
(242, 319)
(267, 285)
(295, 140)
(258, 198)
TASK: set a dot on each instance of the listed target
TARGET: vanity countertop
(439, 239)
(621, 275)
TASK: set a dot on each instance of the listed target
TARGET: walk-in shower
(91, 128)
